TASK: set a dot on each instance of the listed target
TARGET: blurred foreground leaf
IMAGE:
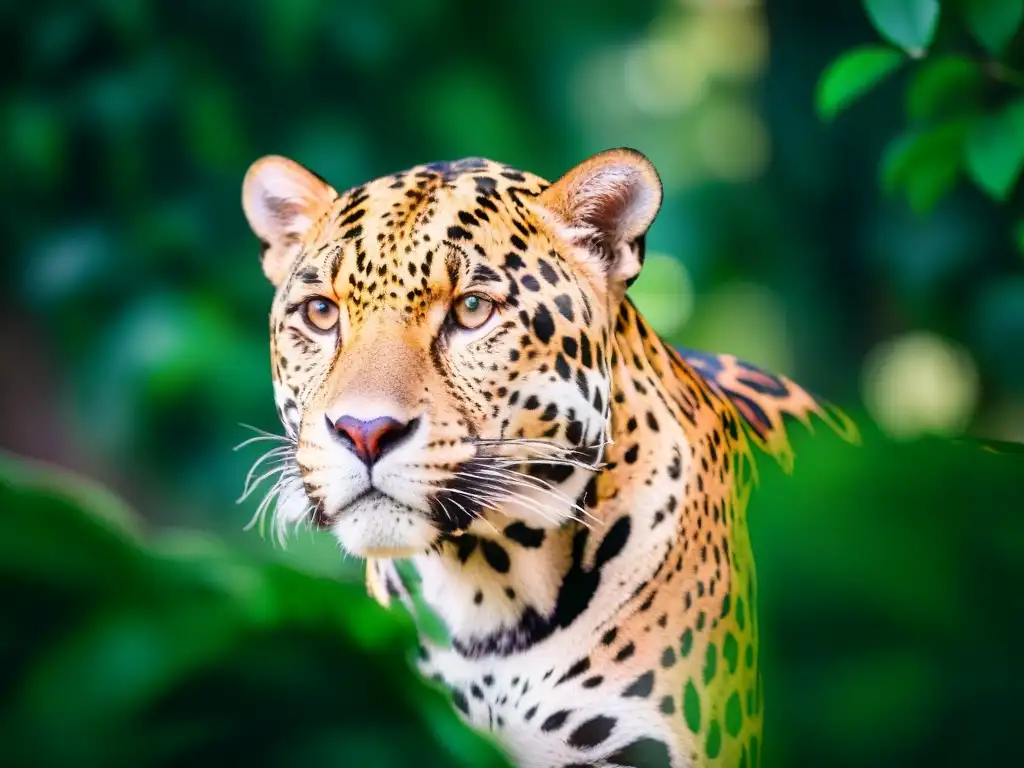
(187, 652)
(427, 620)
(89, 497)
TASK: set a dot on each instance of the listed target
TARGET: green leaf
(909, 24)
(430, 624)
(924, 164)
(930, 183)
(995, 150)
(943, 87)
(852, 75)
(1018, 235)
(994, 22)
(35, 477)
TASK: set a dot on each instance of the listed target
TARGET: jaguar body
(470, 396)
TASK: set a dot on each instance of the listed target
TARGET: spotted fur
(568, 490)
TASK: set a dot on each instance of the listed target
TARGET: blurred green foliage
(889, 577)
(184, 652)
(964, 97)
(133, 336)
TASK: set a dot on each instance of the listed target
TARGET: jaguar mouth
(323, 521)
(375, 524)
(369, 493)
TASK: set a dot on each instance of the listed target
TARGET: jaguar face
(441, 340)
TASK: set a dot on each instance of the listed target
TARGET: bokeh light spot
(730, 139)
(664, 293)
(920, 383)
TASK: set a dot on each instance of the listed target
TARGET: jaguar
(474, 405)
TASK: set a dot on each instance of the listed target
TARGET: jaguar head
(442, 339)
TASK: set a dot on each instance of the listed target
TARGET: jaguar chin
(376, 525)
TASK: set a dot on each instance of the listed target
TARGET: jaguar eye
(321, 313)
(473, 311)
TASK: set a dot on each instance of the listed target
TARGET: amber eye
(473, 311)
(321, 313)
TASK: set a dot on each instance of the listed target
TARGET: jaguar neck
(507, 587)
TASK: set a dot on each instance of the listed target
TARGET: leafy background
(842, 205)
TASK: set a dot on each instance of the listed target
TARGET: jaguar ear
(606, 204)
(282, 200)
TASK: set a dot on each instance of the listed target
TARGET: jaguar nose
(369, 440)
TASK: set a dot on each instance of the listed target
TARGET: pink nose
(369, 440)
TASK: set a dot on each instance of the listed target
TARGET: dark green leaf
(994, 22)
(909, 24)
(923, 164)
(943, 87)
(930, 183)
(852, 75)
(1018, 235)
(995, 150)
